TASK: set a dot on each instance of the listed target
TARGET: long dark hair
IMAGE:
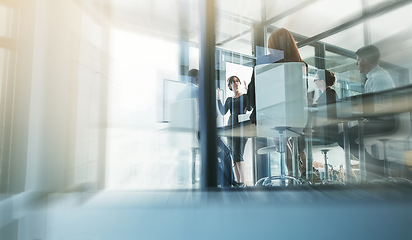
(283, 40)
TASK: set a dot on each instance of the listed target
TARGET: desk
(355, 108)
(389, 102)
(369, 105)
(243, 129)
(249, 130)
(392, 101)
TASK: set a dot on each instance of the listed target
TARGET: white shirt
(378, 80)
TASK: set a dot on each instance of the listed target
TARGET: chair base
(267, 181)
(331, 182)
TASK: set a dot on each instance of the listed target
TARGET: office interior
(91, 147)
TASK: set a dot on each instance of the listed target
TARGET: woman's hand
(218, 94)
(244, 82)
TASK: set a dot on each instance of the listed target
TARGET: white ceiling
(235, 17)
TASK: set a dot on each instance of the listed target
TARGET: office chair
(184, 126)
(281, 107)
(326, 147)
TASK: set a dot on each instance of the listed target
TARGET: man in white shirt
(368, 63)
(377, 80)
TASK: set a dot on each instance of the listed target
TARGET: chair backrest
(281, 97)
(184, 120)
(184, 114)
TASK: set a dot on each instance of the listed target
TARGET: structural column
(207, 96)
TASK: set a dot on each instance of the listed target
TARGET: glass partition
(349, 81)
(340, 39)
(6, 19)
(145, 150)
(277, 7)
(382, 26)
(7, 87)
(122, 73)
(319, 16)
(242, 44)
(99, 101)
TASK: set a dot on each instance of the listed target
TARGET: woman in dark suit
(238, 104)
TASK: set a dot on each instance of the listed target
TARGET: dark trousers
(371, 126)
(225, 174)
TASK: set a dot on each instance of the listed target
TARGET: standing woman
(238, 104)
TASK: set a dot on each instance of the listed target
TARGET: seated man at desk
(377, 79)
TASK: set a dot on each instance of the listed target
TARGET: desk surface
(243, 129)
(392, 101)
(248, 129)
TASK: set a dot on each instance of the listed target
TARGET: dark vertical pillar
(320, 56)
(218, 68)
(207, 96)
(258, 37)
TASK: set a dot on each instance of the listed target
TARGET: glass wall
(7, 81)
(150, 144)
(140, 147)
(100, 80)
(102, 96)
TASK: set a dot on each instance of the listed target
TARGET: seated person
(191, 89)
(377, 80)
(324, 80)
